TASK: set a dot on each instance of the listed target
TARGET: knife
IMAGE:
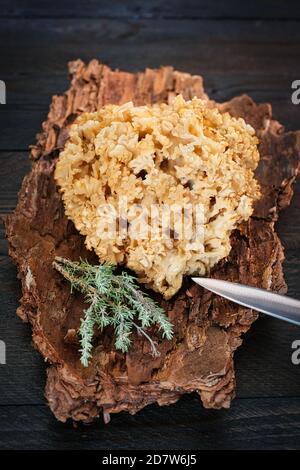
(278, 306)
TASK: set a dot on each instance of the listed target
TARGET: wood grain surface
(253, 50)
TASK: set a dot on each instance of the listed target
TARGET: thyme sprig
(113, 300)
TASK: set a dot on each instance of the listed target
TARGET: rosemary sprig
(113, 300)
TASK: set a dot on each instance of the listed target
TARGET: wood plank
(288, 228)
(277, 9)
(19, 126)
(227, 46)
(22, 378)
(250, 424)
(13, 167)
(261, 59)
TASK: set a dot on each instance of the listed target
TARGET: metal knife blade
(278, 306)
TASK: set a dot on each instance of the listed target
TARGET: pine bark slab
(208, 329)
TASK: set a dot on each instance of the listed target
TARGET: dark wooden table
(252, 49)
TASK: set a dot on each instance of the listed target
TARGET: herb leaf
(113, 300)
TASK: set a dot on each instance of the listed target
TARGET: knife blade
(278, 306)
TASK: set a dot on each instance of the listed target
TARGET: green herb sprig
(113, 300)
